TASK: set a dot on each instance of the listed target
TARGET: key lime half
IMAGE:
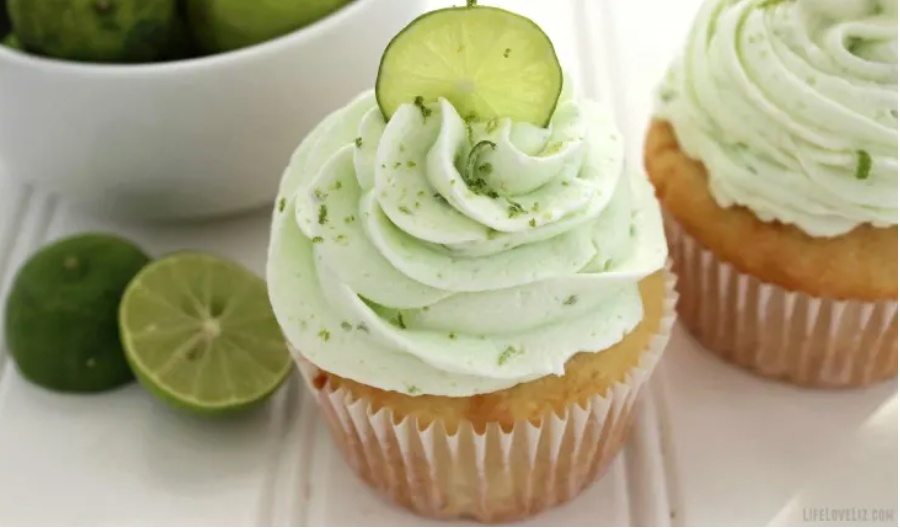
(199, 333)
(488, 62)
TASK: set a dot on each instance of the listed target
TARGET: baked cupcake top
(792, 107)
(430, 254)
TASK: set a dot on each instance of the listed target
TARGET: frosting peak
(432, 254)
(792, 108)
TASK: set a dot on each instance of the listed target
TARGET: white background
(711, 446)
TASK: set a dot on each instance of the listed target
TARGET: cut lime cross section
(199, 332)
(488, 62)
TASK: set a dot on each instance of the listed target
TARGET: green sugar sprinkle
(419, 102)
(324, 334)
(358, 141)
(346, 326)
(571, 300)
(323, 214)
(317, 239)
(411, 164)
(863, 165)
(282, 202)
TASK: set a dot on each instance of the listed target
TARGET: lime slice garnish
(489, 63)
(61, 314)
(199, 332)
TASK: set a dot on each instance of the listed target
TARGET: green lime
(199, 333)
(223, 25)
(107, 31)
(488, 62)
(62, 313)
(11, 41)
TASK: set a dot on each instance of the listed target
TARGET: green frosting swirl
(792, 107)
(433, 254)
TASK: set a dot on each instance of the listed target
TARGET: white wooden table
(711, 445)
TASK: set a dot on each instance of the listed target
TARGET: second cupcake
(774, 154)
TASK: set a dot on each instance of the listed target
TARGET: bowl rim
(241, 55)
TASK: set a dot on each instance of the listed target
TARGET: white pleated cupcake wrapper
(495, 475)
(777, 333)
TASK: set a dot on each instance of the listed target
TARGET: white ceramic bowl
(188, 139)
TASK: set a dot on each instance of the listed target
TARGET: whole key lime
(106, 31)
(223, 25)
(61, 321)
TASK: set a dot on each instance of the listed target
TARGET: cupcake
(475, 300)
(774, 154)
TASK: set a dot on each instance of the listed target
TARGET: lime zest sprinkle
(323, 214)
(452, 336)
(769, 3)
(346, 326)
(362, 327)
(397, 164)
(532, 223)
(863, 164)
(317, 239)
(411, 163)
(440, 198)
(337, 185)
(507, 355)
(398, 321)
(412, 389)
(358, 142)
(282, 202)
(324, 334)
(419, 101)
(405, 210)
(571, 300)
(349, 219)
(515, 209)
(506, 53)
(320, 195)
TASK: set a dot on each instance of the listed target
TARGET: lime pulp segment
(488, 62)
(199, 332)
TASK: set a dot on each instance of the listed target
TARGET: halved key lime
(199, 332)
(488, 62)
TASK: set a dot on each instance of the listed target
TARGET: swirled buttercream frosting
(438, 254)
(792, 107)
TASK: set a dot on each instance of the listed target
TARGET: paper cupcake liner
(494, 474)
(777, 333)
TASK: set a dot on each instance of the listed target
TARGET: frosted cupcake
(476, 303)
(774, 154)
